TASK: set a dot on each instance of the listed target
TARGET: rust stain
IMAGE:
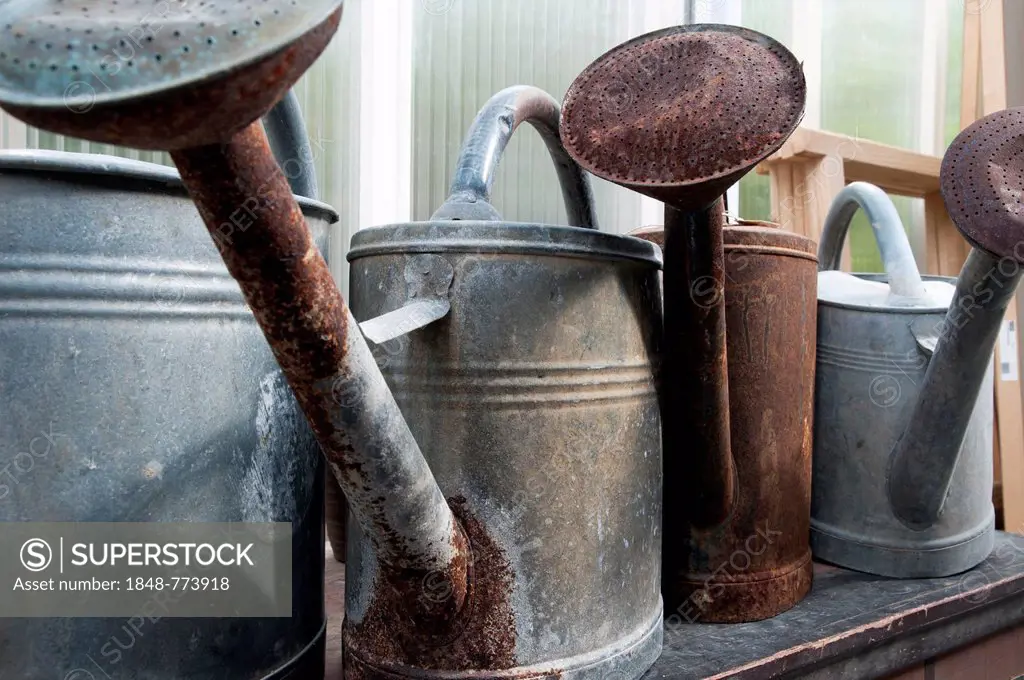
(680, 114)
(258, 228)
(480, 635)
(247, 205)
(756, 563)
(982, 182)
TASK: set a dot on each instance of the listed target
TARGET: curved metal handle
(289, 140)
(897, 256)
(470, 193)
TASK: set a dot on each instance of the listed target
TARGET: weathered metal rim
(43, 161)
(277, 43)
(900, 545)
(628, 657)
(754, 579)
(887, 562)
(889, 309)
(770, 250)
(501, 237)
(316, 646)
(745, 601)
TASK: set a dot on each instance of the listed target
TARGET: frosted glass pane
(872, 56)
(871, 69)
(466, 50)
(475, 49)
(953, 71)
(773, 18)
(872, 64)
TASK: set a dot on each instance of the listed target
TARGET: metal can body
(757, 563)
(126, 345)
(870, 369)
(534, 403)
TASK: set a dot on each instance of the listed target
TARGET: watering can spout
(926, 454)
(980, 173)
(226, 163)
(694, 283)
(923, 461)
(649, 120)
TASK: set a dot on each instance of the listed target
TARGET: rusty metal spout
(680, 115)
(318, 345)
(982, 179)
(696, 385)
(204, 109)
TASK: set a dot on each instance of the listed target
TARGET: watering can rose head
(151, 75)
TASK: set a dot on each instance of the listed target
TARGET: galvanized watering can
(135, 386)
(509, 580)
(521, 357)
(904, 400)
(680, 115)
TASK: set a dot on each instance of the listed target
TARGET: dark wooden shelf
(852, 625)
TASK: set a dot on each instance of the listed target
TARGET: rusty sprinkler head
(155, 74)
(679, 115)
(982, 183)
(682, 113)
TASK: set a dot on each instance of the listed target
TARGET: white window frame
(385, 113)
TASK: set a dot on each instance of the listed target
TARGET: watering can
(521, 357)
(136, 387)
(679, 115)
(890, 345)
(475, 578)
(770, 327)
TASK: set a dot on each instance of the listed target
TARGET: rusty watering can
(499, 585)
(770, 320)
(135, 386)
(679, 115)
(902, 483)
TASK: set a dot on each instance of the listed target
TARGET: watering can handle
(469, 197)
(286, 131)
(897, 257)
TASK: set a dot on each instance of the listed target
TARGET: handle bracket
(428, 280)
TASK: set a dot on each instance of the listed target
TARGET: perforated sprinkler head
(982, 183)
(682, 113)
(155, 74)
